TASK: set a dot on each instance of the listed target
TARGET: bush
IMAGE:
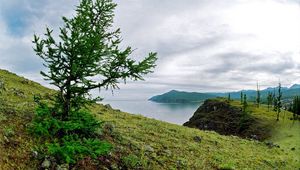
(48, 123)
(72, 148)
(68, 140)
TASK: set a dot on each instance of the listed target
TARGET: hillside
(139, 142)
(181, 97)
(175, 96)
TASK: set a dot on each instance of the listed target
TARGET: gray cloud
(203, 45)
(247, 62)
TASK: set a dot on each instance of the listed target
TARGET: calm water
(172, 113)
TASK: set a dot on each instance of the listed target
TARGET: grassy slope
(15, 143)
(215, 150)
(173, 145)
(285, 133)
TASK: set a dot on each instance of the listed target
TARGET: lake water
(172, 113)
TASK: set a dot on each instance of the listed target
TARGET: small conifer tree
(245, 104)
(87, 55)
(278, 102)
(269, 100)
(229, 97)
(257, 96)
(242, 96)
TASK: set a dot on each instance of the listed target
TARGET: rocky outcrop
(218, 115)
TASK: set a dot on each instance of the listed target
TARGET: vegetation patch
(156, 144)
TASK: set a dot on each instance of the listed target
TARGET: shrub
(68, 140)
(72, 148)
(48, 123)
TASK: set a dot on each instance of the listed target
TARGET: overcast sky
(202, 45)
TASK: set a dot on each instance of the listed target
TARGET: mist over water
(172, 113)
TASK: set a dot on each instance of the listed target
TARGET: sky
(202, 45)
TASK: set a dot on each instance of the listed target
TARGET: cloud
(203, 45)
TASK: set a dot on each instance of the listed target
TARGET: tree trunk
(67, 101)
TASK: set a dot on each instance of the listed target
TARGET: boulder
(108, 106)
(148, 148)
(46, 164)
(197, 139)
(62, 167)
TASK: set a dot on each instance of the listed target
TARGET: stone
(197, 139)
(108, 128)
(2, 87)
(25, 81)
(108, 106)
(255, 137)
(181, 164)
(148, 148)
(46, 164)
(271, 144)
(34, 154)
(18, 93)
(62, 167)
(6, 140)
(114, 167)
(215, 108)
(168, 152)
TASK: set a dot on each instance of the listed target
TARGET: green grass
(174, 145)
(285, 132)
(146, 143)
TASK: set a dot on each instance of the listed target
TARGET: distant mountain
(181, 97)
(295, 86)
(175, 96)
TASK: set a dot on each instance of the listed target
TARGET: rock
(25, 81)
(2, 87)
(168, 152)
(46, 164)
(114, 167)
(255, 137)
(62, 167)
(18, 93)
(108, 106)
(181, 164)
(269, 143)
(197, 139)
(227, 119)
(148, 148)
(99, 132)
(6, 140)
(215, 108)
(34, 154)
(109, 128)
